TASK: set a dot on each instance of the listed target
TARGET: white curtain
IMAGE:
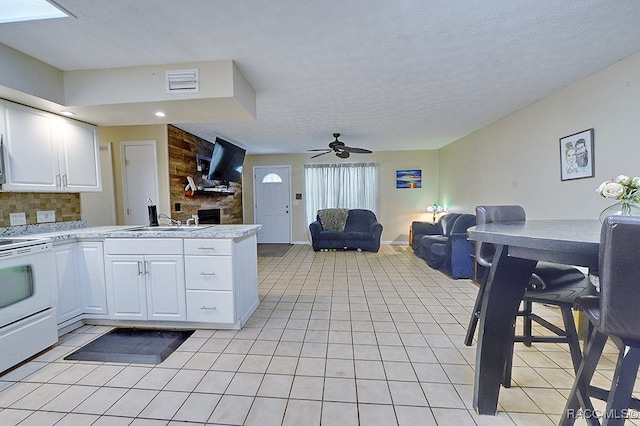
(347, 185)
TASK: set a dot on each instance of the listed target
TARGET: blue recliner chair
(436, 232)
(444, 244)
(453, 257)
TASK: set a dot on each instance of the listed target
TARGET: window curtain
(347, 186)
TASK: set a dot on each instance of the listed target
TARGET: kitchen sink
(169, 228)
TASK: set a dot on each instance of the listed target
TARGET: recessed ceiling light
(68, 113)
(30, 10)
(160, 114)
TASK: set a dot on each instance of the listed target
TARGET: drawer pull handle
(208, 309)
(206, 248)
(207, 274)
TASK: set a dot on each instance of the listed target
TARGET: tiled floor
(340, 338)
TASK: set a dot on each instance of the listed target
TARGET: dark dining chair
(613, 315)
(550, 284)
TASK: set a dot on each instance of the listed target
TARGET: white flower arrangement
(623, 188)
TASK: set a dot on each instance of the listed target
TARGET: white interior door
(272, 203)
(139, 180)
(99, 208)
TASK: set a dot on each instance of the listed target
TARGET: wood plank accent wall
(183, 148)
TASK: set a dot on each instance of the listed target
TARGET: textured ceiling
(388, 75)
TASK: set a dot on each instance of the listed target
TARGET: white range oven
(27, 312)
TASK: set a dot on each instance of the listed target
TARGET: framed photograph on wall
(576, 156)
(408, 179)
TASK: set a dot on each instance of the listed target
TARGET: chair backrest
(490, 214)
(619, 272)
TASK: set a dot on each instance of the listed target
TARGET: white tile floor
(340, 338)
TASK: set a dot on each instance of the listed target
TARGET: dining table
(519, 246)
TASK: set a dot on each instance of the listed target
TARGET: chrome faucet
(194, 218)
(169, 219)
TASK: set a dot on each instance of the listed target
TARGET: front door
(272, 203)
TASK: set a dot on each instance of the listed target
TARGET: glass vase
(621, 208)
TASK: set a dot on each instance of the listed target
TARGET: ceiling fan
(341, 150)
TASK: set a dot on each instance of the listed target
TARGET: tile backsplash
(66, 205)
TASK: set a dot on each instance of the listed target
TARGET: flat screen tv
(226, 162)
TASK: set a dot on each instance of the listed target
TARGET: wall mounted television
(226, 162)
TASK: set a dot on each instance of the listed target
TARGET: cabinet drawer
(143, 246)
(210, 306)
(208, 246)
(209, 272)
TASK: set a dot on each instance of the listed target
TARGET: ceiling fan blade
(322, 153)
(320, 149)
(356, 150)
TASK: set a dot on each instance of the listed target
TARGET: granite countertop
(71, 232)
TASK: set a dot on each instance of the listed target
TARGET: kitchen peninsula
(167, 276)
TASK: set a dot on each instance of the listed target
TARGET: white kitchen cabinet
(145, 279)
(91, 275)
(221, 280)
(69, 288)
(79, 157)
(45, 152)
(127, 287)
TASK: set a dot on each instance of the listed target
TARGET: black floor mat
(273, 249)
(132, 345)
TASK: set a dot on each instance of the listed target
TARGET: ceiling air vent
(180, 81)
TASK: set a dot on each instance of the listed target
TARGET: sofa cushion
(359, 220)
(358, 235)
(332, 235)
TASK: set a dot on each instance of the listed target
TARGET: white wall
(517, 159)
(99, 208)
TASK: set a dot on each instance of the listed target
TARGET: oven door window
(16, 283)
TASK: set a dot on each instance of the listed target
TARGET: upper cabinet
(79, 157)
(45, 152)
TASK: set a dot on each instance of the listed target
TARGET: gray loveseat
(357, 229)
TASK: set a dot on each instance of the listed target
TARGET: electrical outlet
(16, 219)
(44, 216)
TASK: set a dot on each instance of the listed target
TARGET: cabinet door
(69, 297)
(165, 287)
(79, 157)
(91, 275)
(126, 283)
(31, 157)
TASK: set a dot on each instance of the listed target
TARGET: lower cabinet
(91, 276)
(80, 281)
(221, 280)
(68, 286)
(210, 281)
(145, 286)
